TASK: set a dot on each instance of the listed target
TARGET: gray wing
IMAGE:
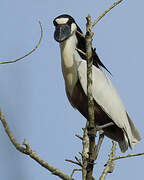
(107, 97)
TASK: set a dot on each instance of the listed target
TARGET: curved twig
(103, 14)
(18, 59)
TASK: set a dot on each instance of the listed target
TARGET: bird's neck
(69, 66)
(68, 49)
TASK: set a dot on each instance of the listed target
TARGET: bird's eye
(69, 22)
(55, 23)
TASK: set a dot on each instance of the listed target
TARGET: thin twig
(79, 161)
(18, 59)
(81, 34)
(80, 154)
(103, 14)
(78, 136)
(110, 163)
(31, 153)
(81, 51)
(74, 170)
(74, 162)
(127, 156)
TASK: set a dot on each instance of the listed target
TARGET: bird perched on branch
(108, 106)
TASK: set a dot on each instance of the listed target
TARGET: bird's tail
(131, 139)
(124, 144)
(135, 134)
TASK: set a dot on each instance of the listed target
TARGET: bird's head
(65, 26)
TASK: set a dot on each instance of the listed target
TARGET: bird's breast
(69, 70)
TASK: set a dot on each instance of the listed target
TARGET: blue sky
(32, 91)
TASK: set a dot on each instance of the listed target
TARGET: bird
(108, 106)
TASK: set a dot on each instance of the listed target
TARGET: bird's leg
(92, 130)
(100, 140)
(104, 126)
(101, 137)
(92, 134)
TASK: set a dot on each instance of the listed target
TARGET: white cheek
(73, 27)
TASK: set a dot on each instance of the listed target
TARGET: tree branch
(31, 153)
(93, 149)
(128, 155)
(103, 14)
(78, 136)
(81, 51)
(110, 163)
(74, 162)
(85, 152)
(81, 34)
(91, 127)
(74, 170)
(18, 59)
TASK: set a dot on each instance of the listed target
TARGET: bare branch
(74, 170)
(85, 152)
(13, 140)
(91, 127)
(110, 163)
(80, 154)
(79, 161)
(78, 136)
(31, 153)
(81, 34)
(81, 51)
(74, 162)
(103, 14)
(128, 155)
(18, 59)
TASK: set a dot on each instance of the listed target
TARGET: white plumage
(74, 68)
(107, 97)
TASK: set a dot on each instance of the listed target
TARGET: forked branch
(31, 153)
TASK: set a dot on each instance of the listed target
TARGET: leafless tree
(90, 147)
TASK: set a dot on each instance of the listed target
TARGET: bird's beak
(62, 32)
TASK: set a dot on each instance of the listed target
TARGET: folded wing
(107, 97)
